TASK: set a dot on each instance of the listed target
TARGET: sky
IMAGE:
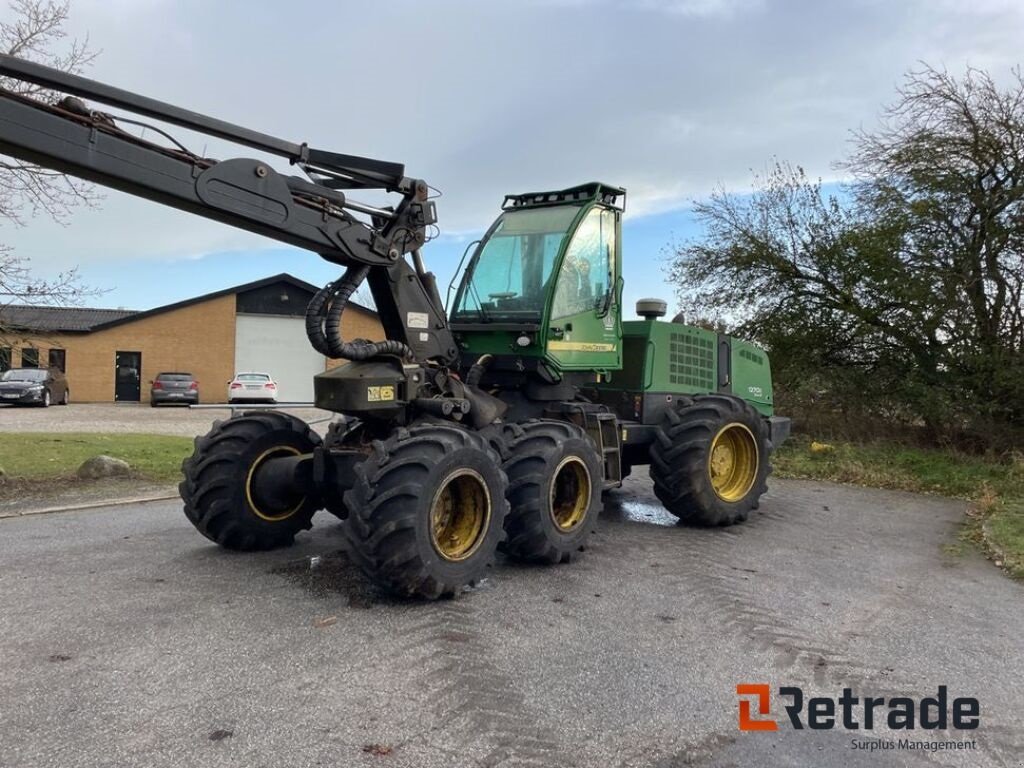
(671, 99)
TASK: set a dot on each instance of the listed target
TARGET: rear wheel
(66, 399)
(426, 510)
(219, 488)
(709, 460)
(555, 479)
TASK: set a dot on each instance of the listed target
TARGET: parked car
(34, 386)
(174, 387)
(252, 386)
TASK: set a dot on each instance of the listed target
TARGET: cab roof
(606, 194)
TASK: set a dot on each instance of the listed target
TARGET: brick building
(113, 354)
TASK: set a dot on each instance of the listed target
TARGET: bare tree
(36, 31)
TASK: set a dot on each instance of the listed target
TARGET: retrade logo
(855, 713)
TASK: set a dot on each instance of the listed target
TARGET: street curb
(90, 505)
(995, 553)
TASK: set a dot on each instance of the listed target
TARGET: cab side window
(585, 277)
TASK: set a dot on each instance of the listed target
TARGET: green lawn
(995, 487)
(40, 456)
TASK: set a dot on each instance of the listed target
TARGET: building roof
(52, 319)
(84, 319)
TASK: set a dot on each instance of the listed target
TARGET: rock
(103, 466)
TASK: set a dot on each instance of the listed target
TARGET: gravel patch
(129, 417)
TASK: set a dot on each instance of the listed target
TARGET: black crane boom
(314, 214)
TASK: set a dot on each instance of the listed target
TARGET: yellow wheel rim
(270, 517)
(733, 462)
(459, 515)
(570, 493)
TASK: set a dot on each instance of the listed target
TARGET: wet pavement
(129, 640)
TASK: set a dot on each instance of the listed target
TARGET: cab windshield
(509, 277)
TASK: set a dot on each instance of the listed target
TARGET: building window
(5, 359)
(29, 357)
(58, 359)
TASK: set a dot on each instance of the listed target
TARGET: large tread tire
(536, 451)
(389, 532)
(214, 488)
(680, 457)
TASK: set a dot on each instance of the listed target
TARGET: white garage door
(278, 346)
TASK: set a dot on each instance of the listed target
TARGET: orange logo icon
(762, 692)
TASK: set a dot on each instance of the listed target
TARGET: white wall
(278, 346)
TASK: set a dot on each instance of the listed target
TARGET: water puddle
(624, 509)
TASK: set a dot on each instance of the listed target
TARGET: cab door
(584, 329)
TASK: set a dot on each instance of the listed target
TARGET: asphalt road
(128, 640)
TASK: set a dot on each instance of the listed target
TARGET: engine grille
(692, 361)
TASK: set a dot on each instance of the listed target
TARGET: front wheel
(45, 402)
(426, 510)
(220, 495)
(709, 460)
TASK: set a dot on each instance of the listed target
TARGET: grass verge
(40, 456)
(994, 487)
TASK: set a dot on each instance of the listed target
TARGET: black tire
(681, 454)
(45, 402)
(217, 489)
(549, 460)
(390, 530)
(67, 397)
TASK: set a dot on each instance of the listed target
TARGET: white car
(252, 386)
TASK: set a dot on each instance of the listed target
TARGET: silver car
(174, 387)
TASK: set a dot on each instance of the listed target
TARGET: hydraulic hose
(323, 322)
(477, 370)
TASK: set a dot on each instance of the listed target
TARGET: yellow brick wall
(199, 339)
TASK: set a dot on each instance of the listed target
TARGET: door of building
(127, 376)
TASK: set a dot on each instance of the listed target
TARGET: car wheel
(45, 403)
(67, 398)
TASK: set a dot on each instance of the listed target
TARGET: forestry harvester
(498, 424)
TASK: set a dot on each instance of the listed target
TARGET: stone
(103, 466)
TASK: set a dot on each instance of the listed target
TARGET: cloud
(669, 98)
(697, 8)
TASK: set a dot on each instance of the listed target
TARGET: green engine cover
(751, 375)
(661, 360)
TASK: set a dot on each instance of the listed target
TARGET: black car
(174, 387)
(33, 386)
